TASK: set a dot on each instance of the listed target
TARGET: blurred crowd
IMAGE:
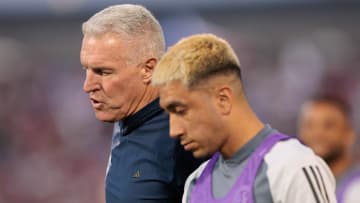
(52, 149)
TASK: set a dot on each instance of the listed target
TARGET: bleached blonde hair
(131, 22)
(195, 58)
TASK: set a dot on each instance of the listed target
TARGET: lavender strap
(242, 191)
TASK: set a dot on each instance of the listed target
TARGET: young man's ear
(148, 69)
(224, 97)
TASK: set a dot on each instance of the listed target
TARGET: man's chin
(199, 154)
(105, 118)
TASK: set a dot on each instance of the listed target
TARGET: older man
(121, 46)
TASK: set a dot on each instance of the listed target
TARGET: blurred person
(325, 126)
(120, 48)
(201, 88)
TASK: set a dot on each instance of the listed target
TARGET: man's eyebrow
(102, 67)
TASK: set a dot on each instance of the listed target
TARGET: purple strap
(341, 189)
(242, 191)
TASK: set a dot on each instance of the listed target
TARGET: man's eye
(102, 72)
(180, 111)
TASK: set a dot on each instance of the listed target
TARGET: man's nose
(176, 126)
(91, 82)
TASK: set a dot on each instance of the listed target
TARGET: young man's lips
(187, 145)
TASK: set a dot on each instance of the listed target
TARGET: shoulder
(352, 193)
(158, 119)
(196, 174)
(191, 180)
(291, 153)
(293, 170)
(291, 157)
(351, 187)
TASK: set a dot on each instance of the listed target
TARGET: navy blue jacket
(146, 165)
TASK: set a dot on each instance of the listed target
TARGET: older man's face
(114, 86)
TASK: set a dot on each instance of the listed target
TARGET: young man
(325, 126)
(200, 86)
(120, 49)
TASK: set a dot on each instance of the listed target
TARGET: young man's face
(193, 118)
(114, 86)
(324, 128)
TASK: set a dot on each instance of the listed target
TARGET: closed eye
(176, 108)
(179, 111)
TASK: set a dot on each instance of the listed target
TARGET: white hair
(130, 22)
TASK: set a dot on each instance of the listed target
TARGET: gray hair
(130, 22)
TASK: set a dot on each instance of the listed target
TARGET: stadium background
(52, 149)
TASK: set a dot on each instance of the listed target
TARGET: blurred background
(52, 149)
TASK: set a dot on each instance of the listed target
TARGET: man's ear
(224, 99)
(148, 69)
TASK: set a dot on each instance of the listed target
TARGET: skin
(117, 81)
(327, 130)
(187, 113)
(207, 119)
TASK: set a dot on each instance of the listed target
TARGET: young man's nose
(176, 128)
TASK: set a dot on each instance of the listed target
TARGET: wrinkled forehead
(111, 45)
(107, 40)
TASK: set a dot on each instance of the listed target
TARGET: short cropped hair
(130, 22)
(336, 101)
(196, 58)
